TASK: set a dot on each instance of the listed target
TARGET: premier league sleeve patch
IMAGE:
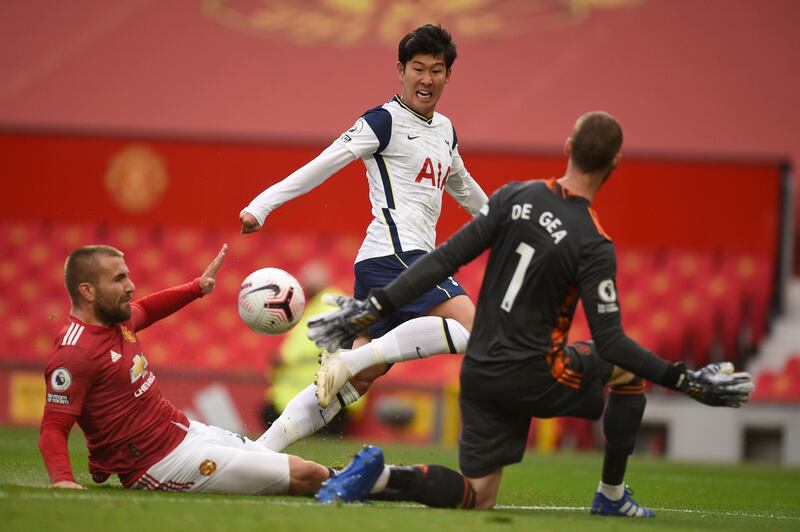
(608, 295)
(60, 379)
(357, 127)
(353, 131)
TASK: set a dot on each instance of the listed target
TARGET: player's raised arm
(208, 278)
(159, 305)
(249, 222)
(312, 174)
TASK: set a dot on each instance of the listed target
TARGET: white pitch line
(712, 513)
(141, 497)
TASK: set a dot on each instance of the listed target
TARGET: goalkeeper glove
(339, 327)
(716, 384)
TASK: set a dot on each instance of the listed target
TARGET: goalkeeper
(548, 251)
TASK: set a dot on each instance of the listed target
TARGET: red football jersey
(102, 376)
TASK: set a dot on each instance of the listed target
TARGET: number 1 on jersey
(525, 256)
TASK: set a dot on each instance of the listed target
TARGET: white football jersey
(410, 160)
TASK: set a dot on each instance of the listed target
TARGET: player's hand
(336, 328)
(67, 484)
(717, 385)
(249, 222)
(208, 280)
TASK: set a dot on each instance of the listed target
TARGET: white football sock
(613, 493)
(417, 338)
(382, 481)
(303, 417)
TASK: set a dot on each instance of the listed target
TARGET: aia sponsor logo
(436, 176)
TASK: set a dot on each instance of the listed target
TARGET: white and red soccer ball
(271, 301)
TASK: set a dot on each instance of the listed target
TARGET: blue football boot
(354, 482)
(625, 507)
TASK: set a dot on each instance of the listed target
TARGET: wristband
(674, 376)
(381, 302)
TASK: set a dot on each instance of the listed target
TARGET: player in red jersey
(98, 376)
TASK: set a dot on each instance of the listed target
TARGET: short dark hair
(82, 266)
(596, 140)
(428, 40)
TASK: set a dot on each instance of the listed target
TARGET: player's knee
(485, 496)
(363, 380)
(459, 308)
(621, 377)
(305, 477)
(484, 503)
(485, 490)
(633, 387)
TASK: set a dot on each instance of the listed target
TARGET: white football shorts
(214, 460)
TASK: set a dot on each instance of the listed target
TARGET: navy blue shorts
(380, 271)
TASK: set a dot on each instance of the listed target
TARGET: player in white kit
(411, 155)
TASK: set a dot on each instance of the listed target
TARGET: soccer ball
(271, 301)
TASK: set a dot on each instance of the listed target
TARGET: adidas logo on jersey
(115, 356)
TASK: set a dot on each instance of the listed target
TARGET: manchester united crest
(137, 178)
(127, 334)
(208, 467)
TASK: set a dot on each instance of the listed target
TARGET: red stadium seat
(682, 305)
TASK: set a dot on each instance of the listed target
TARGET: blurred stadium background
(148, 125)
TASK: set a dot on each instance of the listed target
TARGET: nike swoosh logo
(412, 137)
(275, 288)
(420, 354)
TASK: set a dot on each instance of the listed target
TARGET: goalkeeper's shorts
(380, 271)
(497, 404)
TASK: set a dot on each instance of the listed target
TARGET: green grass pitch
(544, 492)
